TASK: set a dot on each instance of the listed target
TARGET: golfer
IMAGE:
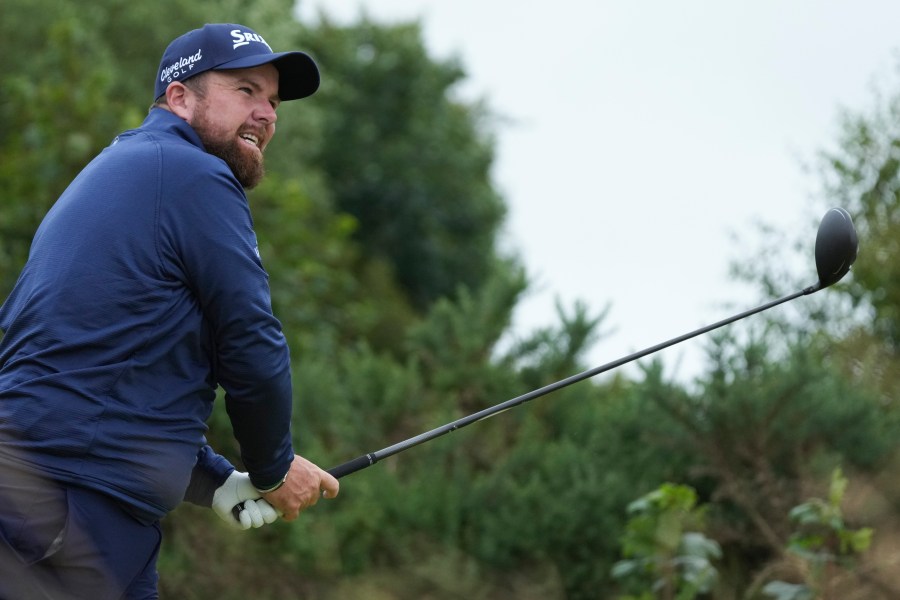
(143, 292)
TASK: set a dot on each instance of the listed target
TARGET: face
(234, 115)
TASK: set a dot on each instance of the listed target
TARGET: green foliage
(781, 590)
(49, 125)
(307, 250)
(824, 543)
(759, 428)
(822, 535)
(405, 158)
(666, 554)
(863, 174)
(572, 461)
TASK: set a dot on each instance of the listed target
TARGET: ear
(180, 100)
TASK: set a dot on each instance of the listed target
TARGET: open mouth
(250, 140)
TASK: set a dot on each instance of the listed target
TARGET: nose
(265, 113)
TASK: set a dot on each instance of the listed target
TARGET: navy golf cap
(223, 46)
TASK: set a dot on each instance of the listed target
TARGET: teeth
(250, 138)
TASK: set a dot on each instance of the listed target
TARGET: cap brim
(298, 75)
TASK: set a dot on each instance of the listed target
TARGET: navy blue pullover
(142, 293)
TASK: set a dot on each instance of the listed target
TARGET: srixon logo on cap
(242, 38)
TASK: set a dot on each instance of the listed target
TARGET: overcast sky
(642, 134)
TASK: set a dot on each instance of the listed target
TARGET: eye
(246, 90)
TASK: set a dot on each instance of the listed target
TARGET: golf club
(835, 251)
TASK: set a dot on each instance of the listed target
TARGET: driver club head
(836, 246)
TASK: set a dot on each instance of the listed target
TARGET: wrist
(272, 488)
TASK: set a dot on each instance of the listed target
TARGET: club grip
(357, 464)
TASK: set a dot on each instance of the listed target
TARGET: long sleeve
(208, 475)
(208, 241)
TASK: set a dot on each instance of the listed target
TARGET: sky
(639, 137)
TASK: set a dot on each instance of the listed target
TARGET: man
(143, 292)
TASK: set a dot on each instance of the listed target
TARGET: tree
(863, 174)
(761, 427)
(49, 125)
(406, 159)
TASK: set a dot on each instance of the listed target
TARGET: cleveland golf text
(178, 67)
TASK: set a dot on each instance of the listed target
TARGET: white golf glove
(238, 490)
